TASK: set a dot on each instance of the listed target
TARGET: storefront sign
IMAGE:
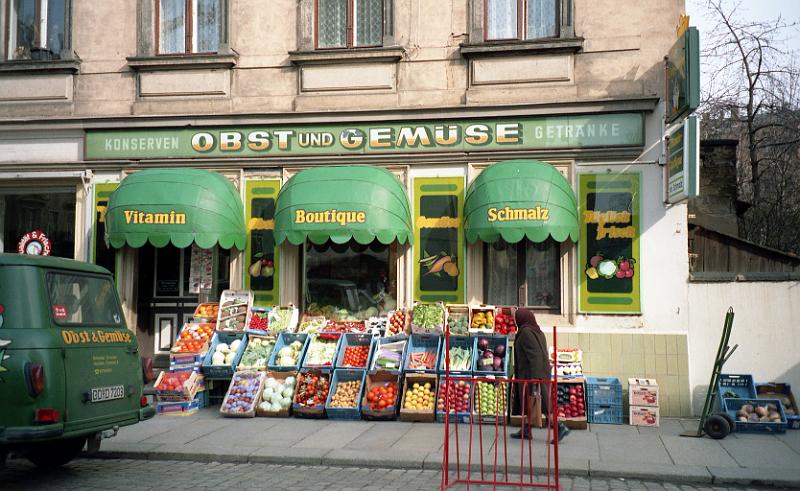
(517, 214)
(102, 255)
(137, 217)
(609, 246)
(683, 166)
(330, 216)
(683, 75)
(261, 256)
(604, 130)
(439, 250)
(34, 243)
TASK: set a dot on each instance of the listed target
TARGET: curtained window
(521, 19)
(37, 29)
(526, 273)
(349, 23)
(188, 26)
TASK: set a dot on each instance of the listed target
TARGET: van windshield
(83, 299)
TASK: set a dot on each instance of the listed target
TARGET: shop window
(188, 26)
(51, 211)
(526, 273)
(349, 280)
(521, 19)
(38, 30)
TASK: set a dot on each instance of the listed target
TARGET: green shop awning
(520, 198)
(343, 202)
(175, 205)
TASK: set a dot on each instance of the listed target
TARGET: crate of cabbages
(277, 395)
(428, 318)
(782, 392)
(756, 415)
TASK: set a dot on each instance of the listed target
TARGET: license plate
(101, 394)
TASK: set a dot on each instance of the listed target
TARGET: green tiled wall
(663, 357)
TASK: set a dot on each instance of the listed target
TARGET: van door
(102, 371)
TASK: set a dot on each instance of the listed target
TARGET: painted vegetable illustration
(607, 268)
(439, 263)
(620, 268)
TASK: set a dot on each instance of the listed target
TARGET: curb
(670, 474)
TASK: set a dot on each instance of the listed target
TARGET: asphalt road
(142, 475)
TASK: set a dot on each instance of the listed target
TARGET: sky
(761, 10)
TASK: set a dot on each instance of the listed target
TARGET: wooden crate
(283, 413)
(425, 415)
(252, 412)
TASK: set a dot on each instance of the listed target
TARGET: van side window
(82, 299)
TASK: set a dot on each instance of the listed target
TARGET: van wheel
(56, 454)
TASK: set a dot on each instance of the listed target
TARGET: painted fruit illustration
(607, 268)
(592, 273)
(595, 260)
(625, 267)
(267, 268)
(261, 267)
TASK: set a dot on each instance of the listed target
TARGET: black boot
(522, 434)
(562, 431)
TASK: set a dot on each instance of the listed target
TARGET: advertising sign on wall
(683, 166)
(261, 264)
(683, 75)
(608, 258)
(584, 131)
(102, 255)
(439, 252)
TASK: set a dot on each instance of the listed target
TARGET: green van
(70, 371)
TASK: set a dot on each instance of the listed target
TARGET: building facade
(260, 92)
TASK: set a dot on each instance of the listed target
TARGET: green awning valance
(520, 198)
(180, 206)
(343, 202)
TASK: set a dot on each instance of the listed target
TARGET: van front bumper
(33, 433)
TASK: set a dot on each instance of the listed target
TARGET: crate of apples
(504, 323)
(397, 323)
(458, 392)
(571, 401)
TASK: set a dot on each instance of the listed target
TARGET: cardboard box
(642, 392)
(643, 416)
(423, 415)
(376, 379)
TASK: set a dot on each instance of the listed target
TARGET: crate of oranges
(419, 397)
(193, 338)
(380, 396)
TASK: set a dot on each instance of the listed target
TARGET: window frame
(189, 27)
(9, 33)
(522, 25)
(349, 28)
(521, 280)
(66, 324)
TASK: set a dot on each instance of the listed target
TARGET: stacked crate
(604, 400)
(643, 400)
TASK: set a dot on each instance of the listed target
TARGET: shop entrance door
(165, 301)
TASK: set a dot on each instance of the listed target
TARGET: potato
(761, 411)
(748, 408)
(772, 407)
(741, 413)
(743, 419)
(753, 418)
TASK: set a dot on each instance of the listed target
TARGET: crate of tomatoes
(311, 393)
(380, 399)
(355, 351)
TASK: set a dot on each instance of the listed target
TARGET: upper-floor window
(521, 19)
(37, 29)
(349, 23)
(188, 26)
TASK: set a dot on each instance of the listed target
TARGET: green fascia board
(372, 190)
(521, 184)
(212, 208)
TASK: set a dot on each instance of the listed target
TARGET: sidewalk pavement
(601, 451)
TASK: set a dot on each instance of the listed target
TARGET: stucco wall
(766, 327)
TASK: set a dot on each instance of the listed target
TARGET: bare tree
(753, 95)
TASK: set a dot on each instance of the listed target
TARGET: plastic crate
(609, 414)
(603, 391)
(494, 341)
(419, 343)
(733, 405)
(462, 416)
(345, 375)
(355, 339)
(773, 390)
(285, 339)
(501, 406)
(223, 371)
(741, 385)
(337, 342)
(382, 342)
(465, 342)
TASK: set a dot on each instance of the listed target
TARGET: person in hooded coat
(532, 361)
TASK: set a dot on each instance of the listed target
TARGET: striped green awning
(178, 206)
(340, 203)
(516, 199)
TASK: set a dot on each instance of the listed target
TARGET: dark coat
(531, 359)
